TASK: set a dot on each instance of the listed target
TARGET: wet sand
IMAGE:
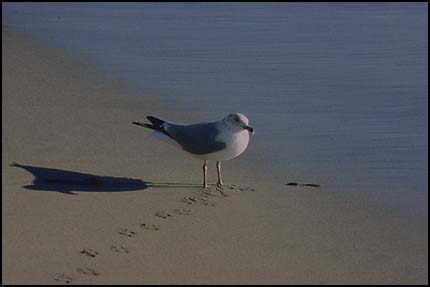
(89, 198)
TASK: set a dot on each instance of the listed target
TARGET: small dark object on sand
(303, 184)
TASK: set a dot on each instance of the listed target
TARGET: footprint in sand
(213, 192)
(150, 226)
(205, 193)
(188, 200)
(119, 248)
(89, 252)
(183, 211)
(240, 188)
(206, 202)
(193, 199)
(62, 278)
(163, 214)
(87, 271)
(126, 232)
(221, 191)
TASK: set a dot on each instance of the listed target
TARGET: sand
(89, 198)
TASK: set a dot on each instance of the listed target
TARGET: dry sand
(94, 200)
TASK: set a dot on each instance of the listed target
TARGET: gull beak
(249, 129)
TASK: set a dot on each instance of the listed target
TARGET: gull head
(238, 122)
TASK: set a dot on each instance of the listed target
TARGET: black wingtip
(155, 121)
(137, 123)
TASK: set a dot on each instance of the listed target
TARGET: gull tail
(156, 124)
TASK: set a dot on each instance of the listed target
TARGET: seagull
(219, 141)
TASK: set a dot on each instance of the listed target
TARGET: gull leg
(205, 173)
(218, 168)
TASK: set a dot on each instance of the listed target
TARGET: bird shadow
(69, 182)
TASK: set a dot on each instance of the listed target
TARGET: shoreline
(57, 116)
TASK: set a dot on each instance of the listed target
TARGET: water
(338, 93)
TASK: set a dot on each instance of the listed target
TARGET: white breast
(236, 144)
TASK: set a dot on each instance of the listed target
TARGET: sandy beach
(89, 198)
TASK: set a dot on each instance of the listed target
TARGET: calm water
(338, 93)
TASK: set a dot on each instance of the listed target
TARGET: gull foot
(220, 188)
